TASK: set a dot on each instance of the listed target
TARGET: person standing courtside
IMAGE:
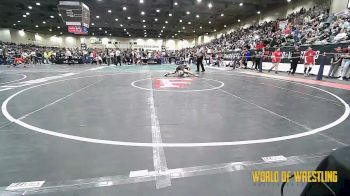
(69, 56)
(335, 62)
(108, 57)
(276, 59)
(345, 65)
(243, 62)
(118, 57)
(1, 56)
(200, 56)
(296, 54)
(309, 61)
(259, 59)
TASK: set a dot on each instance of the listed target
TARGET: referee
(200, 56)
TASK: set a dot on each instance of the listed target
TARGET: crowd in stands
(313, 26)
(14, 54)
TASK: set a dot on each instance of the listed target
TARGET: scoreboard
(77, 29)
(76, 15)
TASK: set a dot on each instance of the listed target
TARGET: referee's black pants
(200, 63)
(293, 66)
(118, 61)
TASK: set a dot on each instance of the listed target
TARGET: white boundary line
(58, 100)
(279, 87)
(266, 110)
(218, 68)
(177, 173)
(5, 89)
(180, 91)
(97, 68)
(24, 77)
(159, 160)
(138, 144)
(162, 178)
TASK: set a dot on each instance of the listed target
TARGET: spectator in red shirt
(18, 61)
(309, 61)
(259, 46)
(288, 30)
(276, 59)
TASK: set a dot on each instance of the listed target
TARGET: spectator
(69, 56)
(345, 65)
(276, 59)
(309, 61)
(341, 36)
(296, 55)
(335, 62)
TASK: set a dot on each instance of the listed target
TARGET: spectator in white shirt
(118, 58)
(341, 36)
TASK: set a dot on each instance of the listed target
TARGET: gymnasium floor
(87, 130)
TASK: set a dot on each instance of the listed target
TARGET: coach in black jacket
(296, 55)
